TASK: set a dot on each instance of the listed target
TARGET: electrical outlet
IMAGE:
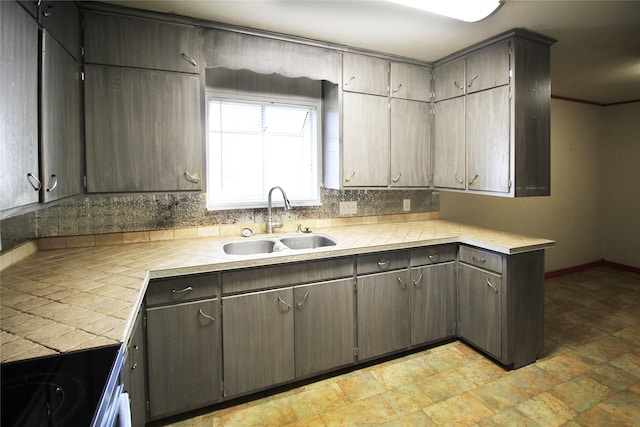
(406, 205)
(348, 208)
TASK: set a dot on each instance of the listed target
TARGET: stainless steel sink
(265, 246)
(249, 247)
(311, 241)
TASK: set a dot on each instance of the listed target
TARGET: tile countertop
(71, 299)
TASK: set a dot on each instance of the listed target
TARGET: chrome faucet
(271, 223)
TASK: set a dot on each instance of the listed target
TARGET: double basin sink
(277, 244)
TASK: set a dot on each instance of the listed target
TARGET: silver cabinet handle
(284, 302)
(401, 282)
(187, 289)
(350, 176)
(418, 283)
(473, 181)
(397, 178)
(35, 182)
(206, 316)
(350, 80)
(53, 183)
(492, 287)
(306, 295)
(472, 79)
(385, 263)
(47, 12)
(191, 178)
(458, 85)
(189, 59)
(460, 181)
(478, 259)
(397, 89)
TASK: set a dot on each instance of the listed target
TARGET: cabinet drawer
(163, 291)
(382, 261)
(481, 258)
(282, 275)
(433, 254)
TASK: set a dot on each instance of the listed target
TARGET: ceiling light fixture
(463, 10)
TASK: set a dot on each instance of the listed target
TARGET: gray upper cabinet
(487, 138)
(18, 107)
(62, 20)
(142, 43)
(140, 138)
(365, 140)
(504, 117)
(410, 81)
(365, 74)
(449, 144)
(410, 143)
(449, 80)
(61, 107)
(489, 67)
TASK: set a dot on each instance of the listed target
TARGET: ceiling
(596, 58)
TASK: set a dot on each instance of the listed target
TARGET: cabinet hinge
(147, 404)
(355, 285)
(82, 51)
(82, 75)
(222, 387)
(144, 322)
(84, 181)
(510, 184)
(355, 351)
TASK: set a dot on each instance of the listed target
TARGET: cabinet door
(143, 130)
(487, 137)
(410, 143)
(410, 82)
(141, 43)
(324, 326)
(448, 80)
(365, 135)
(433, 310)
(183, 348)
(449, 144)
(257, 340)
(383, 313)
(134, 373)
(61, 107)
(479, 308)
(489, 67)
(18, 106)
(365, 74)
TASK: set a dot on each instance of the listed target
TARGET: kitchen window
(254, 145)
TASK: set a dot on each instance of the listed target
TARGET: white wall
(573, 214)
(621, 184)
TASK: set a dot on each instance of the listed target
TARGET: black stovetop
(60, 390)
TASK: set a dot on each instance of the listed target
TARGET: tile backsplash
(101, 214)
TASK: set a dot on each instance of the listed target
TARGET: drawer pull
(384, 263)
(189, 59)
(401, 282)
(306, 295)
(284, 302)
(187, 289)
(492, 287)
(206, 316)
(478, 259)
(418, 283)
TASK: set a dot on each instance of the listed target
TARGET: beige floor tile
(463, 409)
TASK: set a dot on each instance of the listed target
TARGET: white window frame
(316, 104)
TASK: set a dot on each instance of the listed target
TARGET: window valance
(265, 55)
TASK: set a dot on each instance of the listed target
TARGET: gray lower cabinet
(383, 321)
(183, 347)
(433, 309)
(258, 348)
(135, 373)
(479, 301)
(141, 138)
(325, 335)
